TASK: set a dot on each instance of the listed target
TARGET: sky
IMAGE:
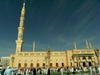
(54, 23)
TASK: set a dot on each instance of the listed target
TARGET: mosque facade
(50, 59)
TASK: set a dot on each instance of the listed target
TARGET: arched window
(25, 61)
(37, 61)
(31, 61)
(56, 61)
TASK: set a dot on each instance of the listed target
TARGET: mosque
(51, 59)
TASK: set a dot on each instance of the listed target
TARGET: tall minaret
(34, 46)
(87, 45)
(19, 41)
(90, 45)
(75, 45)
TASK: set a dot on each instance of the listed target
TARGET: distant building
(54, 59)
(5, 61)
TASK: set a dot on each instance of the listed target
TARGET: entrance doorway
(90, 64)
(62, 64)
(83, 64)
(43, 64)
(19, 65)
(37, 64)
(71, 64)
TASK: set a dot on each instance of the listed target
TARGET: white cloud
(27, 45)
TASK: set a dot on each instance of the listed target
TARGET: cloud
(30, 5)
(27, 45)
(7, 43)
(61, 39)
(32, 12)
(85, 14)
(70, 44)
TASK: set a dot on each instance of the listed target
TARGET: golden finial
(90, 45)
(34, 46)
(24, 1)
(87, 44)
(75, 45)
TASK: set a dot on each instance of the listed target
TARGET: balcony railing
(93, 60)
(88, 59)
(83, 60)
(30, 54)
(83, 52)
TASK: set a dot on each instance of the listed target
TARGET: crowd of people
(47, 71)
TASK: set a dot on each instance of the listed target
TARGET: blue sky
(54, 23)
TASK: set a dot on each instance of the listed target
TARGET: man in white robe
(9, 71)
(61, 71)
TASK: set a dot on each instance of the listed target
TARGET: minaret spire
(19, 41)
(34, 46)
(75, 45)
(90, 45)
(87, 44)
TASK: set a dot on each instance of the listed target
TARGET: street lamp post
(12, 61)
(97, 54)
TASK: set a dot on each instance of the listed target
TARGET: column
(48, 62)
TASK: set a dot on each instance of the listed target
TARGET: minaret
(34, 46)
(19, 41)
(87, 45)
(90, 45)
(75, 45)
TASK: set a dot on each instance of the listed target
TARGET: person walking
(40, 71)
(45, 71)
(1, 71)
(19, 72)
(24, 71)
(4, 71)
(90, 71)
(99, 69)
(34, 71)
(8, 71)
(74, 71)
(49, 71)
(94, 70)
(61, 71)
(68, 71)
(27, 72)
